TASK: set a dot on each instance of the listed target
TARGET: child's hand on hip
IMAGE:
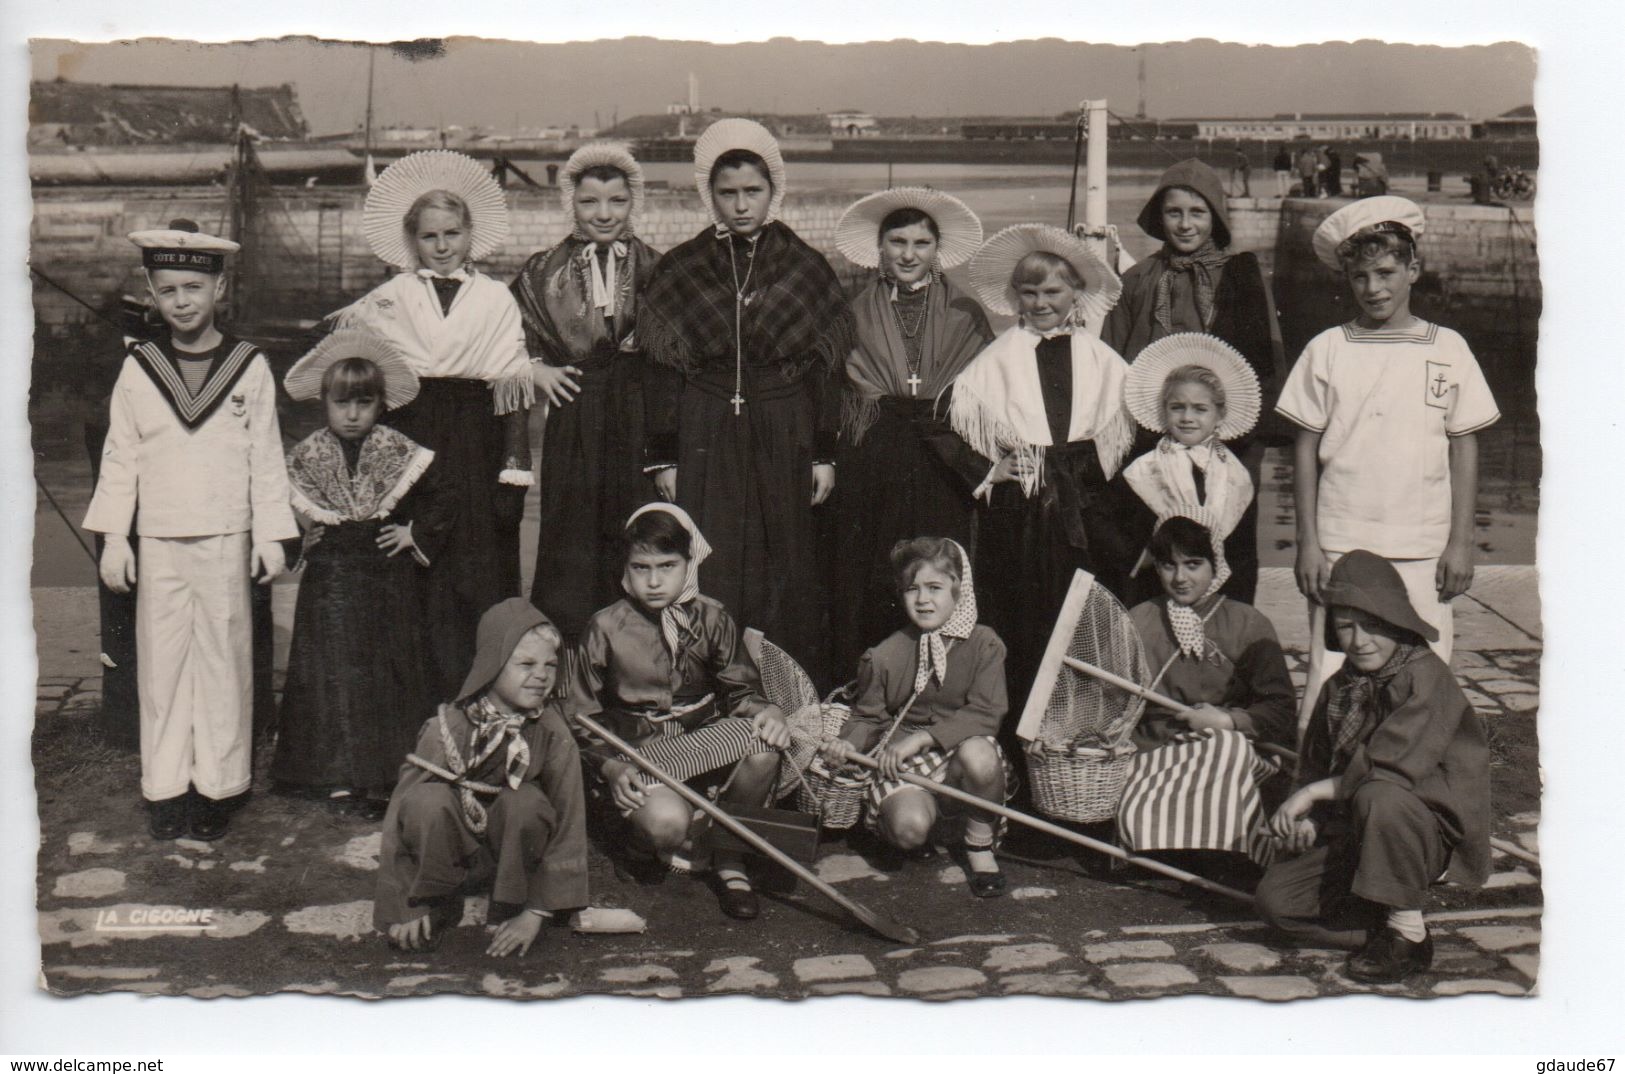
(395, 538)
(117, 566)
(266, 561)
(770, 727)
(555, 382)
(515, 934)
(1454, 575)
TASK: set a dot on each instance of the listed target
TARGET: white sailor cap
(1400, 216)
(182, 245)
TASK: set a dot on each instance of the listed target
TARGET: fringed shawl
(480, 337)
(324, 491)
(998, 404)
(795, 315)
(955, 330)
(555, 297)
(1163, 481)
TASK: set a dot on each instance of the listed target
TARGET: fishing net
(784, 684)
(1079, 723)
(1080, 710)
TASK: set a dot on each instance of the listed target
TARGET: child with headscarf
(579, 300)
(930, 699)
(664, 669)
(1393, 789)
(1197, 778)
(493, 790)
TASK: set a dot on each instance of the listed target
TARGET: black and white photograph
(658, 517)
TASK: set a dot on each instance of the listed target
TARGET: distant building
(1381, 126)
(85, 113)
(1518, 123)
(853, 124)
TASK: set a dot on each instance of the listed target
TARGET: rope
(64, 516)
(1079, 132)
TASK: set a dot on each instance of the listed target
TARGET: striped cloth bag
(1197, 792)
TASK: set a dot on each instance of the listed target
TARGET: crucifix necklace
(908, 335)
(738, 399)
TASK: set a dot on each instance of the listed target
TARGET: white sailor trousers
(195, 665)
(1418, 576)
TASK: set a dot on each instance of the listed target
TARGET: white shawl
(998, 405)
(480, 338)
(1163, 480)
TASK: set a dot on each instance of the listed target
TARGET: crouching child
(492, 789)
(1393, 790)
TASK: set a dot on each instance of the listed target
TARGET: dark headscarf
(1205, 263)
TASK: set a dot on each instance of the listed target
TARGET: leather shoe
(741, 904)
(1388, 958)
(986, 885)
(166, 819)
(207, 819)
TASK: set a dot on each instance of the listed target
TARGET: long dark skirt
(591, 480)
(479, 563)
(747, 481)
(1029, 547)
(358, 688)
(891, 486)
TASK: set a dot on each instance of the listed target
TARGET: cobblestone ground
(289, 890)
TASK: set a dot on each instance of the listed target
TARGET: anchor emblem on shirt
(1438, 386)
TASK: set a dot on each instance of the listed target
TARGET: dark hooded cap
(1200, 178)
(1366, 581)
(500, 630)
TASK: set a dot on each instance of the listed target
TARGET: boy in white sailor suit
(193, 441)
(1388, 408)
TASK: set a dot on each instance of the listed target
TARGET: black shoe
(984, 885)
(1389, 958)
(166, 819)
(207, 819)
(741, 904)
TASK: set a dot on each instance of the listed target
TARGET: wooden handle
(885, 926)
(1126, 684)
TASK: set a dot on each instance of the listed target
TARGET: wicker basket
(1080, 784)
(837, 799)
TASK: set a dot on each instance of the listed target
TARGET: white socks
(734, 879)
(979, 846)
(1409, 924)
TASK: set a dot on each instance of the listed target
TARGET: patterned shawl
(1204, 264)
(324, 490)
(1355, 706)
(955, 330)
(933, 655)
(564, 324)
(795, 315)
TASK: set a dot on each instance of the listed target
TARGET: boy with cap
(193, 445)
(1388, 408)
(1393, 788)
(493, 789)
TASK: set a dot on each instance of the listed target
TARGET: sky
(508, 84)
